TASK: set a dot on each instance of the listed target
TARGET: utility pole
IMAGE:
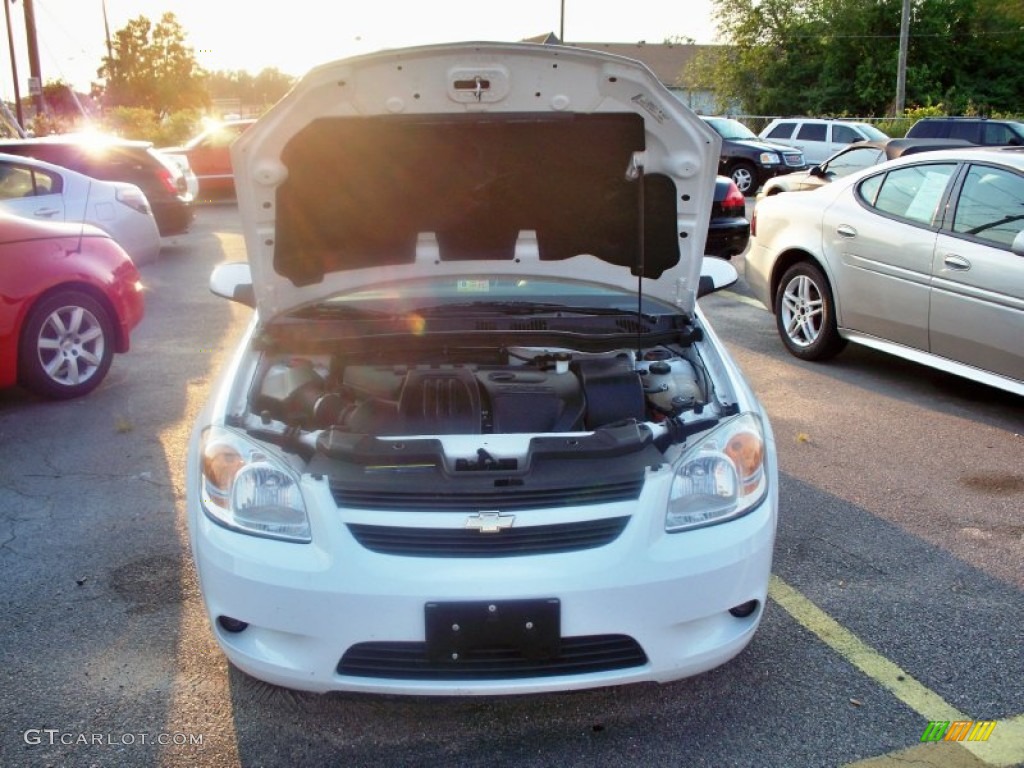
(106, 31)
(35, 83)
(901, 67)
(14, 66)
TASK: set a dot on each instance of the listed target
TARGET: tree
(835, 57)
(257, 92)
(63, 111)
(151, 66)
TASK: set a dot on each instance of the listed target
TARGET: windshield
(872, 132)
(850, 160)
(731, 129)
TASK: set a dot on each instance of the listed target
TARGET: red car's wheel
(67, 345)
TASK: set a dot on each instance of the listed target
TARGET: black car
(976, 130)
(749, 160)
(729, 229)
(115, 159)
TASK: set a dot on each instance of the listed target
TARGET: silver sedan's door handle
(845, 230)
(45, 213)
(957, 263)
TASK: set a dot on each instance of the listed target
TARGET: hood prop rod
(641, 257)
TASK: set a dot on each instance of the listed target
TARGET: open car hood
(475, 160)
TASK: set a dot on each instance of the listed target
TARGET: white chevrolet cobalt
(478, 437)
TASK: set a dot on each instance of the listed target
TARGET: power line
(916, 36)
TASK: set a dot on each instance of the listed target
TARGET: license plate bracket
(460, 631)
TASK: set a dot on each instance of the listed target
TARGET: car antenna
(81, 224)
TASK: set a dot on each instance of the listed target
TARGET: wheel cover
(802, 311)
(70, 345)
(743, 178)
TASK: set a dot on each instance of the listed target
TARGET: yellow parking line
(741, 299)
(1004, 748)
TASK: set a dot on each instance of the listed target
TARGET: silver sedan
(921, 257)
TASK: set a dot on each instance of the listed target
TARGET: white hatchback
(46, 192)
(479, 438)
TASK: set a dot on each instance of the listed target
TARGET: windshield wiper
(331, 310)
(525, 308)
(997, 223)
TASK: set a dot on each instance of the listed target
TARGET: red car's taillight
(168, 180)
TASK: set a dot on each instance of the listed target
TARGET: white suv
(479, 438)
(819, 138)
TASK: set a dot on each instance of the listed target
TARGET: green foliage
(60, 99)
(152, 67)
(179, 127)
(131, 122)
(46, 124)
(897, 127)
(146, 125)
(63, 112)
(821, 57)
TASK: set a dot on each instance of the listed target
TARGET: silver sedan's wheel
(66, 345)
(802, 311)
(805, 314)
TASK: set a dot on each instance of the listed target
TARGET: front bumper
(307, 607)
(760, 262)
(766, 172)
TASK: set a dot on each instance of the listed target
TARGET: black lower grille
(511, 542)
(408, 661)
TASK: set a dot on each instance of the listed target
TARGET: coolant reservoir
(670, 385)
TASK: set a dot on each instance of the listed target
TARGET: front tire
(66, 346)
(805, 314)
(745, 176)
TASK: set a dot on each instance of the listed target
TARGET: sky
(296, 35)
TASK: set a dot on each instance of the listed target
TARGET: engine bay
(514, 391)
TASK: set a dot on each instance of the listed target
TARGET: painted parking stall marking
(1005, 748)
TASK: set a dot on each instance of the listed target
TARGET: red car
(69, 298)
(209, 156)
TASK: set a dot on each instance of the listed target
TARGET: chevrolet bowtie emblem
(490, 522)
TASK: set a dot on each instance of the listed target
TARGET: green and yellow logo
(958, 730)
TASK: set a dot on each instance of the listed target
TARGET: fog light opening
(743, 610)
(232, 625)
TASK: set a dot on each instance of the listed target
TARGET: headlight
(247, 491)
(720, 478)
(769, 158)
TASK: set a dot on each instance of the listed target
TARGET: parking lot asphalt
(896, 599)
